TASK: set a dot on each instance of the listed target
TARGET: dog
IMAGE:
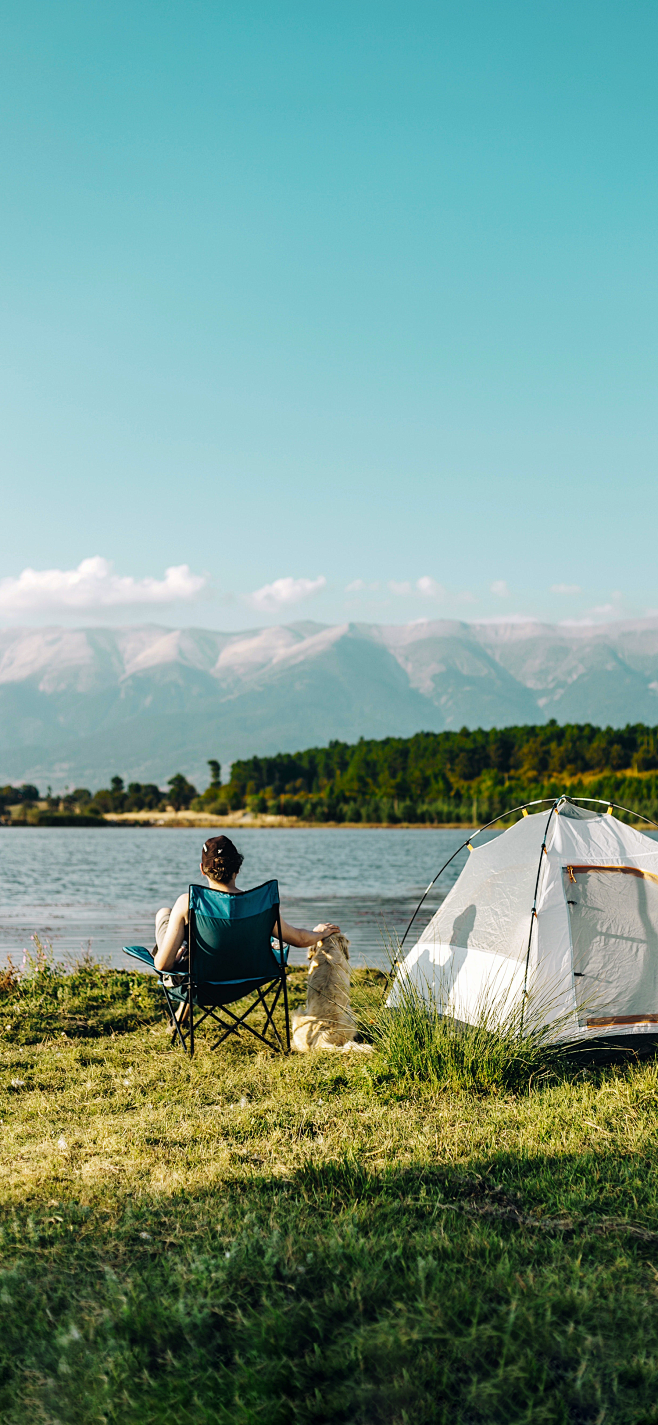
(327, 1021)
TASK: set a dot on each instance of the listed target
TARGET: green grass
(45, 1000)
(508, 1048)
(249, 1238)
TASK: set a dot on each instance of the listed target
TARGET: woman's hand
(322, 930)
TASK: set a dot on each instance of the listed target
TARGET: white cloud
(286, 591)
(358, 585)
(429, 588)
(93, 585)
(500, 589)
(590, 618)
(566, 589)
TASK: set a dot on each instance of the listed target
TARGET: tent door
(613, 915)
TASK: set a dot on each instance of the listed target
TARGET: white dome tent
(562, 908)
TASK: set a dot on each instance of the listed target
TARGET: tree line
(26, 804)
(465, 776)
(432, 777)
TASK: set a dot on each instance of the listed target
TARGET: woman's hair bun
(220, 859)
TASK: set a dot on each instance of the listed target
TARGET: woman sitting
(220, 864)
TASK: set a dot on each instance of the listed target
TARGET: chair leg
(181, 1017)
(285, 1009)
(174, 1020)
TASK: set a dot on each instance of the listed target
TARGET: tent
(559, 911)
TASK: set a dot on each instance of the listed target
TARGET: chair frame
(183, 997)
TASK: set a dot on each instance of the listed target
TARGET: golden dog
(327, 1021)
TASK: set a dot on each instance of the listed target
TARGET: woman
(220, 864)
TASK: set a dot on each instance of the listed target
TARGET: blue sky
(350, 309)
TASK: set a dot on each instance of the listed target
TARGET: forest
(433, 778)
(466, 776)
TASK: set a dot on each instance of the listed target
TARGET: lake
(99, 887)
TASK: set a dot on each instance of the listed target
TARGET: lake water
(101, 887)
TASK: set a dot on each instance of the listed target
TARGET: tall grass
(509, 1047)
(43, 997)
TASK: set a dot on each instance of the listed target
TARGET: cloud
(286, 591)
(93, 585)
(591, 616)
(358, 585)
(500, 589)
(566, 589)
(429, 588)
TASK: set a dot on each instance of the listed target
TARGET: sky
(334, 312)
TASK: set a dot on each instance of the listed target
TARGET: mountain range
(78, 705)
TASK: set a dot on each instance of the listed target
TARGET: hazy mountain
(77, 705)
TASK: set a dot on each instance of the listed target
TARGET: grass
(43, 998)
(509, 1047)
(328, 1238)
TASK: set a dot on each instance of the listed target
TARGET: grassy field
(248, 1238)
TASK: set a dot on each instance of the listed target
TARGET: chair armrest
(280, 950)
(139, 952)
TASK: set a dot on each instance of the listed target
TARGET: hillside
(76, 704)
(461, 777)
(429, 778)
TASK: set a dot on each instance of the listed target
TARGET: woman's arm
(303, 939)
(165, 957)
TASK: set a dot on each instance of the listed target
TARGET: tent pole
(533, 913)
(540, 802)
(604, 802)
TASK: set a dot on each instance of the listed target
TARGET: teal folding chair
(231, 957)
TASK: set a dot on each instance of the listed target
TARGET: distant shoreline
(239, 821)
(245, 820)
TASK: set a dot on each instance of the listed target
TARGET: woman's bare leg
(161, 924)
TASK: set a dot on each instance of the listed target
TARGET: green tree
(181, 792)
(215, 772)
(117, 794)
(102, 801)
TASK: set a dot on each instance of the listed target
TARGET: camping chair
(231, 956)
